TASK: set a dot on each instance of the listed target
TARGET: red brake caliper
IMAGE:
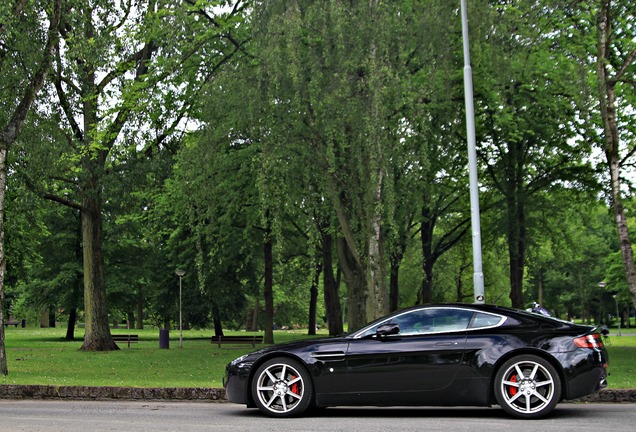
(513, 390)
(295, 386)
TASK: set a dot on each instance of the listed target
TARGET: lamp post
(601, 285)
(478, 275)
(180, 273)
(617, 314)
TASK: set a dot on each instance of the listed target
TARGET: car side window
(440, 320)
(482, 320)
(435, 320)
(413, 323)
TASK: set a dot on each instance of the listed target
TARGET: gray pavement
(135, 416)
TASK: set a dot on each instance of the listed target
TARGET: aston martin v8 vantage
(433, 355)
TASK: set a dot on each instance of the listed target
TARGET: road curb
(611, 396)
(10, 391)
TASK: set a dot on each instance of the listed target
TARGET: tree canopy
(305, 162)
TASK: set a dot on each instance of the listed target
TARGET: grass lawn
(622, 353)
(41, 356)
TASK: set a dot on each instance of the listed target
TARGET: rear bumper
(588, 383)
(587, 373)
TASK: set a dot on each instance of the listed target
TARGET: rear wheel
(527, 386)
(282, 387)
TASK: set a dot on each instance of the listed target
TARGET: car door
(412, 365)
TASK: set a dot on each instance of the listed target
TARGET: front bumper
(235, 382)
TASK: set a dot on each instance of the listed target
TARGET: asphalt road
(92, 416)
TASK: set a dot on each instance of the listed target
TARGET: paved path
(76, 416)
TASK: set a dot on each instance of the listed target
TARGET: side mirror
(387, 329)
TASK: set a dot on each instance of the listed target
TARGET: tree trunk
(70, 327)
(427, 227)
(216, 317)
(351, 263)
(516, 257)
(459, 288)
(459, 280)
(269, 285)
(585, 304)
(516, 239)
(377, 269)
(44, 318)
(379, 303)
(3, 259)
(254, 317)
(140, 309)
(357, 288)
(313, 299)
(332, 297)
(426, 291)
(612, 142)
(130, 320)
(540, 287)
(52, 317)
(621, 223)
(394, 281)
(97, 336)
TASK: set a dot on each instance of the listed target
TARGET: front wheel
(527, 387)
(282, 387)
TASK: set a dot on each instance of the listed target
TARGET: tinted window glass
(423, 321)
(449, 320)
(484, 320)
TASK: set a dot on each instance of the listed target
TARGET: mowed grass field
(42, 356)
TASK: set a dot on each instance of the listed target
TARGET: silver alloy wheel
(528, 387)
(280, 388)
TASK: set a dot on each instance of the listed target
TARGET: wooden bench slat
(133, 338)
(234, 339)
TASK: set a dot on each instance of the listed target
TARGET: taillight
(590, 341)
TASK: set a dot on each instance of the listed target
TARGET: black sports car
(444, 355)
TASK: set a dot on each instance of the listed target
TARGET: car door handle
(446, 343)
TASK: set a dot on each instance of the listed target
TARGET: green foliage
(527, 100)
(316, 118)
(571, 260)
(294, 279)
(212, 203)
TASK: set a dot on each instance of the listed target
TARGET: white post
(180, 273)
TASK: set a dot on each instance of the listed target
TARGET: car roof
(518, 314)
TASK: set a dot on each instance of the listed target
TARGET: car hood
(296, 347)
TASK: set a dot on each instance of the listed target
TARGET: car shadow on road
(561, 412)
(384, 412)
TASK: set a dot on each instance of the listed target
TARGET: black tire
(527, 387)
(282, 387)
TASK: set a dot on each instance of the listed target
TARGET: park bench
(130, 338)
(246, 339)
(11, 322)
